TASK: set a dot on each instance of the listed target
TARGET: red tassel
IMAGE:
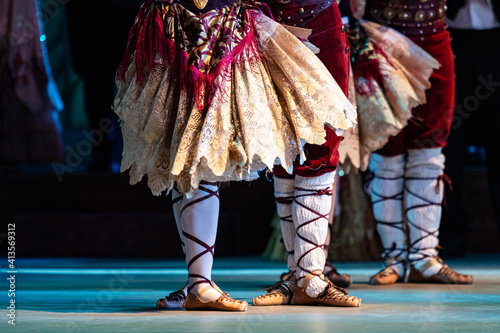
(224, 68)
(160, 45)
(182, 69)
(132, 41)
(148, 38)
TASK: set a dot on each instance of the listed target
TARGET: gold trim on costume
(200, 3)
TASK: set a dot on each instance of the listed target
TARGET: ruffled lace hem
(268, 101)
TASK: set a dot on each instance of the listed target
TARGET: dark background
(93, 211)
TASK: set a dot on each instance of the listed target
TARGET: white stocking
(387, 199)
(283, 192)
(199, 218)
(310, 210)
(424, 192)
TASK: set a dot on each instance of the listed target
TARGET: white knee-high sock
(424, 191)
(283, 192)
(199, 219)
(387, 197)
(310, 210)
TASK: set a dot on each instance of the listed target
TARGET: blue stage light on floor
(136, 271)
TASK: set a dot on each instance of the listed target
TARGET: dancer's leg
(387, 199)
(424, 190)
(310, 210)
(175, 299)
(281, 293)
(199, 218)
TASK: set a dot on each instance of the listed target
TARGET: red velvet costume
(408, 189)
(328, 34)
(424, 23)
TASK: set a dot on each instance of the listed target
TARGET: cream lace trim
(261, 117)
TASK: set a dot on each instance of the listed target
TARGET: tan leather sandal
(445, 275)
(280, 293)
(385, 276)
(176, 299)
(388, 275)
(223, 303)
(331, 296)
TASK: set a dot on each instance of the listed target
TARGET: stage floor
(95, 295)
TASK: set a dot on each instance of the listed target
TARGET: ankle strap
(310, 276)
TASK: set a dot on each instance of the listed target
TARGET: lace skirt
(218, 96)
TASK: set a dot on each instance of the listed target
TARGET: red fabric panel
(430, 125)
(334, 54)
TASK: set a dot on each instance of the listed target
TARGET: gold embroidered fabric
(386, 111)
(200, 3)
(264, 108)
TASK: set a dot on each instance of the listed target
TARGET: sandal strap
(331, 290)
(309, 277)
(280, 287)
